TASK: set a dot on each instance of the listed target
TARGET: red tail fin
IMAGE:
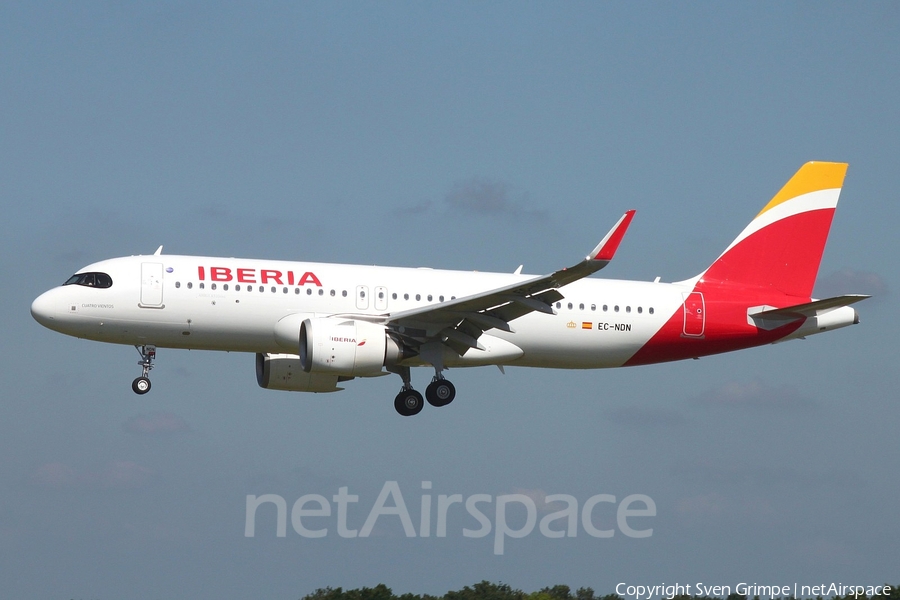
(782, 247)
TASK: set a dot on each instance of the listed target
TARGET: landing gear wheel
(141, 385)
(408, 402)
(440, 392)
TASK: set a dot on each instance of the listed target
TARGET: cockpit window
(98, 280)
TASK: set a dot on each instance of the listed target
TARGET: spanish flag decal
(587, 325)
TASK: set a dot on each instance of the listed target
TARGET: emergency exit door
(362, 297)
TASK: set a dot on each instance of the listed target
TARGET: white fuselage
(237, 304)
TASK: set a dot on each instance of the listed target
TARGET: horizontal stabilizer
(811, 309)
(766, 317)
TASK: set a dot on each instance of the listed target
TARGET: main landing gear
(141, 385)
(440, 392)
(409, 402)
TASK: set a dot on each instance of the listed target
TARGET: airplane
(313, 326)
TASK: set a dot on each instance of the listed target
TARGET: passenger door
(151, 285)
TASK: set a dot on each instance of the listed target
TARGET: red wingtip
(611, 243)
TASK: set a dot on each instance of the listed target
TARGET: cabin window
(237, 288)
(321, 292)
(441, 298)
(628, 309)
(581, 307)
(593, 307)
(640, 310)
(225, 286)
(177, 284)
(418, 297)
(394, 296)
(344, 294)
(285, 290)
(650, 310)
(190, 285)
(202, 285)
(406, 296)
(212, 286)
(616, 308)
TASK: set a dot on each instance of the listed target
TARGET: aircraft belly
(569, 352)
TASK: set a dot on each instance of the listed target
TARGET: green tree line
(501, 591)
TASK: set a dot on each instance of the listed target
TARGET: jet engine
(347, 347)
(283, 372)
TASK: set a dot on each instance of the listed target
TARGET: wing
(459, 323)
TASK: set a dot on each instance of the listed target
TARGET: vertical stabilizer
(780, 250)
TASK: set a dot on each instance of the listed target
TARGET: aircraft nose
(43, 309)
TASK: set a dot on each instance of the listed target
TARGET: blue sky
(458, 135)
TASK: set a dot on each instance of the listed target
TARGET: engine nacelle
(284, 372)
(346, 347)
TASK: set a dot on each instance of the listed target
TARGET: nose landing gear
(141, 385)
